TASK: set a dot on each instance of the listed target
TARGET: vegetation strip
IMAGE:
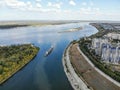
(11, 26)
(15, 57)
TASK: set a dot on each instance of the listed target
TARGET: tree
(1, 69)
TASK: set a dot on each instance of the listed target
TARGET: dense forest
(14, 57)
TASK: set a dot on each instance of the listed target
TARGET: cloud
(53, 10)
(90, 10)
(14, 3)
(54, 5)
(84, 3)
(51, 7)
(28, 4)
(71, 2)
(38, 0)
(1, 3)
(20, 5)
(91, 3)
(38, 5)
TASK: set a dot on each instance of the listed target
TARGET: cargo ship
(49, 51)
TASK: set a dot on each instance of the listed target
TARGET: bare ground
(88, 73)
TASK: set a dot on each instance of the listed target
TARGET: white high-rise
(108, 52)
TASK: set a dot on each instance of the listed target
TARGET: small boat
(49, 51)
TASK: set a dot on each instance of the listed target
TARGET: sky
(60, 10)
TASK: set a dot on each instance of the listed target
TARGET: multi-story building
(97, 45)
(108, 52)
(113, 35)
(106, 26)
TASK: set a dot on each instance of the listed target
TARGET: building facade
(109, 53)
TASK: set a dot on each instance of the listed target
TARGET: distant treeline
(11, 26)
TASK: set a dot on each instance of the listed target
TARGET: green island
(15, 57)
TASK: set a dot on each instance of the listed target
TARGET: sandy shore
(72, 30)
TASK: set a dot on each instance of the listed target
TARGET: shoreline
(10, 25)
(76, 82)
(75, 79)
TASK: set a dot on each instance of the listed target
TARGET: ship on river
(49, 51)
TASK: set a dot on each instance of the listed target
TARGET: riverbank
(76, 82)
(2, 27)
(12, 66)
(15, 24)
(85, 71)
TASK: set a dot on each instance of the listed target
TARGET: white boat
(49, 51)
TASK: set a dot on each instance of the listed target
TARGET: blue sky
(59, 10)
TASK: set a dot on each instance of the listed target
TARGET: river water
(43, 73)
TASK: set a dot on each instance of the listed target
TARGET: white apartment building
(113, 35)
(97, 45)
(108, 52)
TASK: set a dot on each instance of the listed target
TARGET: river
(43, 73)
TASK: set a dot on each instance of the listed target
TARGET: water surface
(43, 73)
